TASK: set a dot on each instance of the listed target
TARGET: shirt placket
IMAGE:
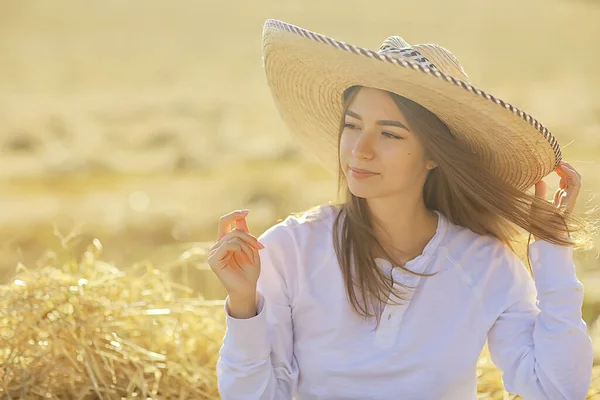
(392, 315)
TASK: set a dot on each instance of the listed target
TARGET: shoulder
(462, 244)
(484, 259)
(489, 265)
(302, 228)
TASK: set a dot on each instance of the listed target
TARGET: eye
(391, 135)
(349, 125)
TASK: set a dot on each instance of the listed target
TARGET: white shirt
(307, 343)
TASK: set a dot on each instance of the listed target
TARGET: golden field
(141, 123)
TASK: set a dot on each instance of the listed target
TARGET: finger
(557, 197)
(573, 176)
(236, 246)
(564, 181)
(247, 237)
(567, 170)
(573, 182)
(220, 253)
(570, 182)
(226, 220)
(255, 255)
(242, 224)
(572, 168)
(565, 198)
(541, 189)
(569, 198)
(247, 250)
(571, 194)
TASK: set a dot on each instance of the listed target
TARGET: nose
(363, 148)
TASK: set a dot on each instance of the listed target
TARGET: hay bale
(89, 330)
(83, 329)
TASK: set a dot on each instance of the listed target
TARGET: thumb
(541, 189)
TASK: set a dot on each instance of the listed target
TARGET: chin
(358, 191)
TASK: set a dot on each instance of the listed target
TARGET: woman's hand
(565, 196)
(234, 257)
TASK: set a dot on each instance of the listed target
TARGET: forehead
(376, 104)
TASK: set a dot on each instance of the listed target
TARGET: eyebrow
(380, 122)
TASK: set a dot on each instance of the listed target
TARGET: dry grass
(81, 328)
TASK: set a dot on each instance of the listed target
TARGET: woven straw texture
(308, 73)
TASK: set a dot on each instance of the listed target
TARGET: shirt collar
(419, 263)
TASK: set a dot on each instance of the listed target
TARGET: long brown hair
(463, 190)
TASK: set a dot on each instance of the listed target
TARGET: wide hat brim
(308, 72)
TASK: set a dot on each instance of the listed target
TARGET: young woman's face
(377, 137)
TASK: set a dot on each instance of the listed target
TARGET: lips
(362, 171)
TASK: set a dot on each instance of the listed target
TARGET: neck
(402, 229)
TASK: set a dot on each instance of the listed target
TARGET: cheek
(345, 141)
(346, 146)
(402, 158)
(404, 164)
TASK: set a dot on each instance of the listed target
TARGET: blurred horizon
(141, 123)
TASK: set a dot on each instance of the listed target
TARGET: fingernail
(262, 246)
(245, 211)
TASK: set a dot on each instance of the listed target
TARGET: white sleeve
(540, 341)
(256, 358)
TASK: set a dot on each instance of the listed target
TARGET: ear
(431, 164)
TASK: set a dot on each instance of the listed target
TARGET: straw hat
(308, 73)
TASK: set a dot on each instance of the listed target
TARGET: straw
(83, 329)
(86, 329)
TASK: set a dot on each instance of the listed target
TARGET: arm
(256, 358)
(543, 347)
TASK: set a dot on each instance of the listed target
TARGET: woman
(393, 293)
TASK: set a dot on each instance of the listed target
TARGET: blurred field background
(140, 123)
